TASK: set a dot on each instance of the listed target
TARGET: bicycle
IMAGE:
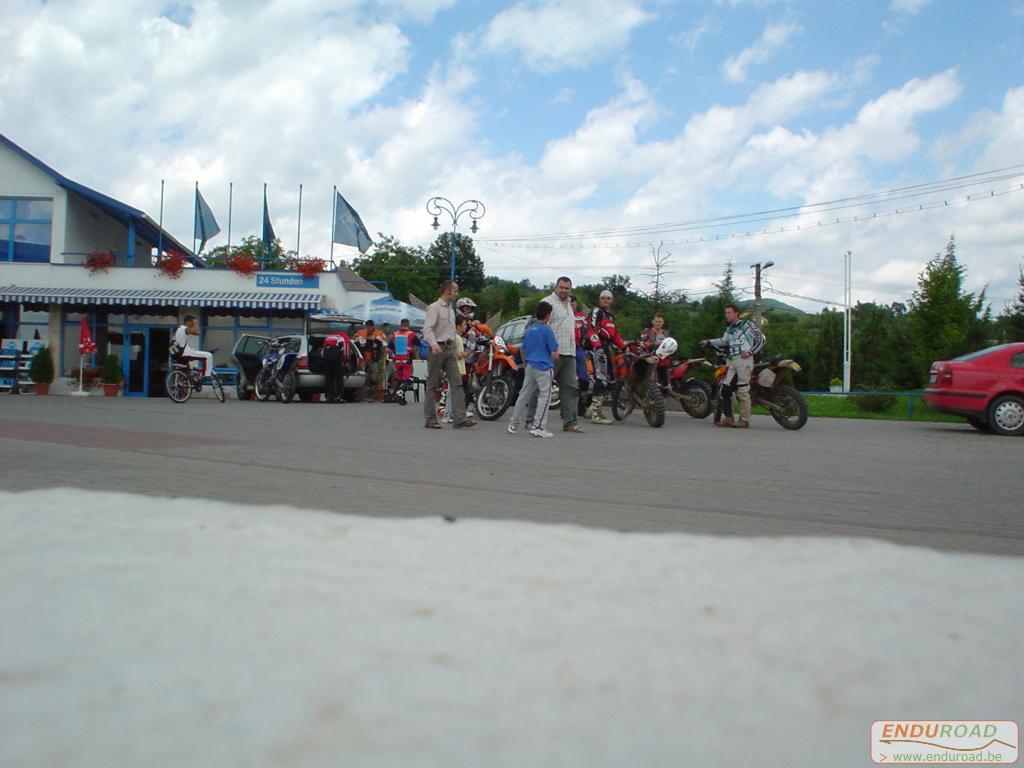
(184, 379)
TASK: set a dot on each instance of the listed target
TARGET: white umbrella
(388, 311)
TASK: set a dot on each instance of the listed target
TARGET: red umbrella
(86, 346)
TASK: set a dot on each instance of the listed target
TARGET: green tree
(827, 357)
(469, 268)
(405, 269)
(276, 258)
(944, 320)
(510, 300)
(1011, 322)
(727, 288)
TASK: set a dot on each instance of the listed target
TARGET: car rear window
(980, 353)
(1017, 361)
(327, 327)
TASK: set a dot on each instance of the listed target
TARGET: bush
(875, 403)
(110, 371)
(40, 370)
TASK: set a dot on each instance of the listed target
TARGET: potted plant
(308, 268)
(836, 385)
(110, 375)
(40, 370)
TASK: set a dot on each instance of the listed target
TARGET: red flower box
(172, 265)
(98, 262)
(308, 267)
(243, 264)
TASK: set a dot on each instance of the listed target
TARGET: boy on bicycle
(182, 349)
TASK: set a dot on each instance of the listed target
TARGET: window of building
(25, 228)
(25, 324)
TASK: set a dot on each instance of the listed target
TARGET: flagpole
(195, 217)
(334, 221)
(160, 234)
(266, 245)
(298, 234)
(231, 191)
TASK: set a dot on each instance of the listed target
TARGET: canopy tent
(388, 311)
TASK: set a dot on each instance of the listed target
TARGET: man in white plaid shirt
(563, 323)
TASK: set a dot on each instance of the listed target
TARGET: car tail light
(304, 363)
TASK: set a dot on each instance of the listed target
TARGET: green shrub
(875, 403)
(40, 370)
(110, 371)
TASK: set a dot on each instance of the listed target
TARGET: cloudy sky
(614, 124)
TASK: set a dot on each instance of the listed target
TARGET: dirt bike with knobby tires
(493, 380)
(636, 385)
(771, 386)
(278, 375)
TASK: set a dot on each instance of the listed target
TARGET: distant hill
(772, 304)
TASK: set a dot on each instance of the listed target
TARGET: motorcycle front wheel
(695, 397)
(622, 400)
(264, 386)
(495, 398)
(286, 387)
(788, 407)
(654, 407)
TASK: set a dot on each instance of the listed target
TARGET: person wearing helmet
(602, 335)
(475, 330)
(651, 339)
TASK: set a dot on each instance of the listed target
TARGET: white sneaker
(447, 419)
(538, 432)
(512, 429)
(599, 418)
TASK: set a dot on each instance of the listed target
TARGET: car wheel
(1006, 415)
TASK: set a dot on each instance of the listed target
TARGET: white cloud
(689, 38)
(909, 7)
(563, 33)
(772, 39)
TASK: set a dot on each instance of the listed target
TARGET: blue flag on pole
(268, 229)
(348, 227)
(206, 225)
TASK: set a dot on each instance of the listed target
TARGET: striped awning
(139, 297)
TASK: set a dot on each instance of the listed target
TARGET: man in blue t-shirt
(540, 351)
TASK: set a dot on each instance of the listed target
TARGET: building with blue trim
(49, 224)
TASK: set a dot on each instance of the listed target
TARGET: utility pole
(758, 314)
(848, 318)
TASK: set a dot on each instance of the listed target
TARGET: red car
(986, 386)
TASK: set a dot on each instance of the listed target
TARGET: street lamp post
(758, 269)
(438, 205)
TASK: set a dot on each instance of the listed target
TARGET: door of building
(136, 357)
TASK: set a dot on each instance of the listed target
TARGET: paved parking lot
(938, 485)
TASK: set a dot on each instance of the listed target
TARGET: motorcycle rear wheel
(495, 398)
(622, 400)
(264, 386)
(695, 397)
(286, 387)
(788, 407)
(654, 408)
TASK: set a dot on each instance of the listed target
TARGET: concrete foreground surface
(150, 632)
(944, 486)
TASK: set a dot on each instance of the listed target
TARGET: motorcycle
(278, 374)
(693, 395)
(770, 386)
(636, 385)
(493, 379)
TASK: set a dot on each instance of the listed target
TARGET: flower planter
(42, 389)
(111, 390)
(835, 388)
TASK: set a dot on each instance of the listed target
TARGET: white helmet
(465, 302)
(667, 348)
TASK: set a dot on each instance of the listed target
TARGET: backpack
(757, 339)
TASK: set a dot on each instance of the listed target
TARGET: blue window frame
(26, 224)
